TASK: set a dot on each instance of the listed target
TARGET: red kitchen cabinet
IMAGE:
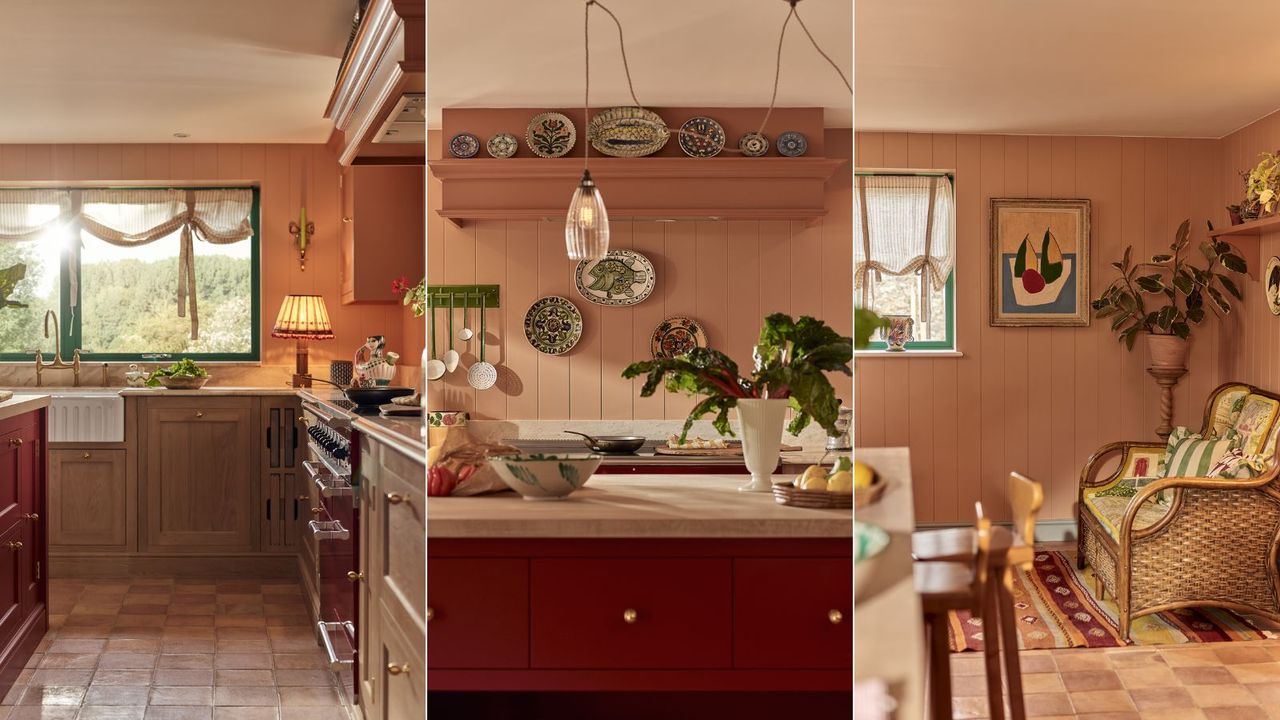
(478, 613)
(23, 542)
(792, 613)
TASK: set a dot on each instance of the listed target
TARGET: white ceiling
(1172, 68)
(720, 53)
(140, 70)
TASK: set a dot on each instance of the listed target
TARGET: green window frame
(71, 331)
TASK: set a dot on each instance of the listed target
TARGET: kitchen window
(904, 252)
(111, 263)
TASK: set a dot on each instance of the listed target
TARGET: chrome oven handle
(326, 418)
(328, 530)
(322, 629)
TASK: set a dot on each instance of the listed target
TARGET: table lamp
(302, 318)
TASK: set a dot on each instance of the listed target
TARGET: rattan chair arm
(1104, 453)
(1146, 492)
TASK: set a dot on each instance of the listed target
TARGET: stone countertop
(208, 390)
(639, 506)
(22, 403)
(405, 434)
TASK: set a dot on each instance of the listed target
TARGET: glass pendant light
(586, 228)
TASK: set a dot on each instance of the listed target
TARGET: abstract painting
(1040, 262)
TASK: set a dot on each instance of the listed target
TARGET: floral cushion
(1226, 409)
(1109, 507)
(1238, 466)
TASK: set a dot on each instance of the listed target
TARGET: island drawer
(631, 613)
(478, 610)
(793, 613)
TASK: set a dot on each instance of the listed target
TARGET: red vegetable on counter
(440, 481)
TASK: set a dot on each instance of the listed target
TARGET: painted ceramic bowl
(540, 476)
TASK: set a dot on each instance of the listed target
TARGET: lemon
(813, 482)
(841, 482)
(862, 475)
(813, 471)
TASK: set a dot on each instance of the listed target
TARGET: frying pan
(611, 444)
(369, 398)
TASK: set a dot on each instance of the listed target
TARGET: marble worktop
(405, 434)
(636, 506)
(22, 403)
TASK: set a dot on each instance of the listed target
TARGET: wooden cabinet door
(400, 670)
(199, 473)
(15, 469)
(12, 583)
(368, 650)
(402, 534)
(284, 500)
(88, 499)
(479, 613)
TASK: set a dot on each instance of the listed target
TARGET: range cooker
(333, 464)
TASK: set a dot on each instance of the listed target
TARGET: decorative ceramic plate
(753, 144)
(502, 145)
(464, 145)
(622, 277)
(711, 142)
(553, 325)
(1273, 285)
(677, 336)
(792, 144)
(550, 135)
(627, 132)
(869, 541)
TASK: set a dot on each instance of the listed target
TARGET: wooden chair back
(1026, 497)
(981, 559)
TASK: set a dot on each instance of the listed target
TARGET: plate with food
(182, 375)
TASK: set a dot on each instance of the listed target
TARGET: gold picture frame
(1039, 262)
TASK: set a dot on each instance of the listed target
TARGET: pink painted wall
(727, 274)
(1039, 400)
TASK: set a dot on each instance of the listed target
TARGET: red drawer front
(479, 612)
(683, 615)
(781, 611)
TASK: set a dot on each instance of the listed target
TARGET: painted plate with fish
(550, 135)
(622, 277)
(553, 325)
(701, 137)
(627, 132)
(676, 336)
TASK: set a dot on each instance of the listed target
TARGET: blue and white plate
(792, 144)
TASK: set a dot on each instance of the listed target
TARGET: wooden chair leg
(1009, 647)
(939, 669)
(991, 652)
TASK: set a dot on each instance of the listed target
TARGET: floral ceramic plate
(502, 145)
(792, 144)
(464, 145)
(869, 541)
(753, 144)
(622, 277)
(627, 132)
(677, 336)
(553, 325)
(707, 139)
(550, 135)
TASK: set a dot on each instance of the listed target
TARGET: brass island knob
(629, 616)
(835, 616)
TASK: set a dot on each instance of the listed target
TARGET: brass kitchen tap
(58, 363)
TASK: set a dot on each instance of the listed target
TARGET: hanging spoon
(482, 375)
(451, 356)
(465, 333)
(435, 368)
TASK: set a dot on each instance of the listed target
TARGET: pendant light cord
(777, 68)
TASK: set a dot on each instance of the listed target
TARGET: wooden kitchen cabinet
(479, 609)
(383, 236)
(23, 578)
(808, 629)
(285, 498)
(198, 467)
(88, 498)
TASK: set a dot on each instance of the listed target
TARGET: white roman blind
(903, 224)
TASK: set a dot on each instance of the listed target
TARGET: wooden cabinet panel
(683, 615)
(285, 497)
(199, 463)
(479, 613)
(14, 494)
(12, 584)
(383, 235)
(401, 672)
(88, 498)
(402, 534)
(793, 630)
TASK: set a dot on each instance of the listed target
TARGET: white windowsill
(908, 354)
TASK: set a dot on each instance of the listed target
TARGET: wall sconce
(302, 230)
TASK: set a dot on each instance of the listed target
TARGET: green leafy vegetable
(186, 367)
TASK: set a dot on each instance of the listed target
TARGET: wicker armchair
(1212, 542)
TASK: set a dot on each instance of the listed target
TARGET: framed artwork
(1039, 262)
(1273, 285)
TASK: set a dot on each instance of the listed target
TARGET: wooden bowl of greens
(182, 375)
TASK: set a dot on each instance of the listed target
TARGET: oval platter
(622, 277)
(711, 142)
(502, 145)
(1272, 282)
(464, 145)
(550, 135)
(627, 132)
(553, 325)
(676, 336)
(792, 144)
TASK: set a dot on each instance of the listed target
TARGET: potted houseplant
(792, 358)
(1165, 296)
(1261, 187)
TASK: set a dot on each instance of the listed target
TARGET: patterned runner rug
(1056, 608)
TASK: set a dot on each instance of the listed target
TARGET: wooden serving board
(733, 451)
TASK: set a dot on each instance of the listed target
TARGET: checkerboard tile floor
(166, 649)
(1220, 681)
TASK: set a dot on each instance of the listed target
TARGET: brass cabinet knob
(31, 516)
(354, 576)
(13, 544)
(86, 456)
(835, 616)
(199, 413)
(401, 669)
(15, 441)
(304, 498)
(431, 613)
(395, 498)
(629, 616)
(317, 511)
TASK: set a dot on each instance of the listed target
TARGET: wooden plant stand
(1167, 378)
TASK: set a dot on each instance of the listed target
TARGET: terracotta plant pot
(1167, 351)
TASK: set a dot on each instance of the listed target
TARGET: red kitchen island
(24, 581)
(639, 594)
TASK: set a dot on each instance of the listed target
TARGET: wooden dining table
(888, 627)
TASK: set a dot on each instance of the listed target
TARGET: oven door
(334, 529)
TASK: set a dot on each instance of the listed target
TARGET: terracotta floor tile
(170, 676)
(1267, 693)
(69, 660)
(1147, 677)
(117, 695)
(52, 695)
(244, 696)
(188, 646)
(1240, 654)
(311, 661)
(292, 713)
(243, 678)
(1098, 701)
(1235, 713)
(1203, 675)
(324, 678)
(1084, 680)
(133, 645)
(179, 713)
(1160, 698)
(111, 712)
(1207, 696)
(164, 695)
(1038, 705)
(127, 661)
(1190, 657)
(242, 661)
(60, 677)
(1263, 672)
(186, 661)
(122, 677)
(49, 712)
(244, 646)
(77, 646)
(246, 713)
(1071, 662)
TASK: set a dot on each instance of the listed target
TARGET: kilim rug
(1056, 607)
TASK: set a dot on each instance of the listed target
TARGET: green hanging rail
(463, 295)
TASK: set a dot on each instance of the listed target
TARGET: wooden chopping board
(712, 452)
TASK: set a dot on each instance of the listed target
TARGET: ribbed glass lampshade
(303, 317)
(586, 229)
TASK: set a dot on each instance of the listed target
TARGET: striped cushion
(1190, 455)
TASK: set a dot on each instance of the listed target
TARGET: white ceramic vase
(761, 425)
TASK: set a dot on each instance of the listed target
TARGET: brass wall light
(302, 230)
